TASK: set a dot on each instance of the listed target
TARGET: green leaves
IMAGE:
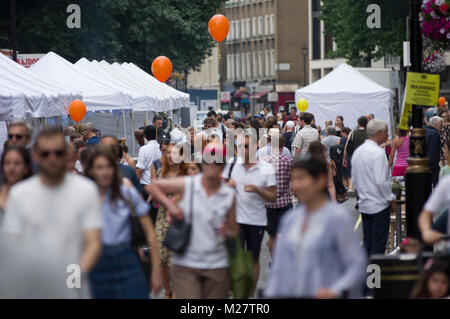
(116, 30)
(346, 22)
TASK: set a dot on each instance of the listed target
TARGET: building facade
(262, 53)
(208, 77)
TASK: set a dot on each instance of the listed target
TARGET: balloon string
(218, 51)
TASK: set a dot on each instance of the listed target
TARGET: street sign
(422, 89)
(225, 96)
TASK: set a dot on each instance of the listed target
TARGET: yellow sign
(405, 115)
(422, 89)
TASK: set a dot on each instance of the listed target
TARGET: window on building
(255, 65)
(244, 67)
(238, 66)
(228, 67)
(272, 62)
(248, 27)
(242, 29)
(266, 25)
(261, 64)
(260, 26)
(254, 29)
(249, 66)
(316, 34)
(268, 64)
(237, 30)
(272, 24)
(232, 67)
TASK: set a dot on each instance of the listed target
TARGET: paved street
(265, 255)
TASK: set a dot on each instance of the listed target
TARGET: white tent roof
(159, 104)
(96, 95)
(140, 101)
(346, 92)
(181, 98)
(26, 95)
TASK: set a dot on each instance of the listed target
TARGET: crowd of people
(80, 197)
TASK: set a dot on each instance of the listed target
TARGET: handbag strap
(191, 195)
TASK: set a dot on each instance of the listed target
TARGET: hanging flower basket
(435, 23)
(434, 61)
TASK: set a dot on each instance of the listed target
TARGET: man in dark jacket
(433, 147)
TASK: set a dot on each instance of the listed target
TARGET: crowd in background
(80, 197)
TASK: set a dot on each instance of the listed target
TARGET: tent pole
(132, 131)
(123, 120)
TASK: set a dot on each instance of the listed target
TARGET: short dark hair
(150, 132)
(26, 157)
(156, 118)
(211, 113)
(362, 121)
(314, 165)
(307, 118)
(50, 131)
(346, 130)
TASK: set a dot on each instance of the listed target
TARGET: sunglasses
(17, 136)
(57, 153)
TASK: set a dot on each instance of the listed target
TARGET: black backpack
(337, 153)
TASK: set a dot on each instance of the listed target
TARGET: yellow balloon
(302, 105)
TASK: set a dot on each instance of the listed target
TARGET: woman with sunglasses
(170, 168)
(318, 254)
(202, 271)
(16, 166)
(118, 273)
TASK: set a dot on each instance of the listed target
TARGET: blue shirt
(327, 255)
(93, 140)
(116, 215)
(129, 173)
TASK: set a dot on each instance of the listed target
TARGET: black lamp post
(304, 50)
(418, 176)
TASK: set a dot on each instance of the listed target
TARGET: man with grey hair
(19, 133)
(370, 173)
(89, 134)
(330, 140)
(433, 146)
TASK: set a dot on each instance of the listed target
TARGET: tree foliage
(346, 22)
(117, 30)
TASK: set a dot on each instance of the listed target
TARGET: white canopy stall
(96, 95)
(25, 95)
(347, 92)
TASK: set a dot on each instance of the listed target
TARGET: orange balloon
(162, 68)
(77, 110)
(218, 27)
(442, 100)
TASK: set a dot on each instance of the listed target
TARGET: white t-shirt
(54, 218)
(206, 249)
(215, 131)
(440, 199)
(147, 154)
(250, 207)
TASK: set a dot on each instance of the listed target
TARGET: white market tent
(140, 101)
(347, 92)
(181, 98)
(97, 96)
(25, 95)
(161, 104)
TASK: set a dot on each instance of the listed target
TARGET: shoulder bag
(179, 232)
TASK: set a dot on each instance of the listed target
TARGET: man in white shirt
(305, 136)
(55, 212)
(147, 155)
(370, 173)
(255, 184)
(436, 203)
